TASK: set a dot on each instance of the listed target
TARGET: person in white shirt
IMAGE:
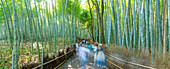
(83, 53)
(94, 46)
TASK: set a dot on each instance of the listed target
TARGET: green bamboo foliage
(7, 26)
(129, 23)
(36, 33)
(39, 31)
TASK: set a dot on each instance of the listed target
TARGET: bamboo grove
(39, 22)
(140, 25)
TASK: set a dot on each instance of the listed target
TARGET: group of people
(86, 51)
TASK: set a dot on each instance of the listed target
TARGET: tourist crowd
(87, 52)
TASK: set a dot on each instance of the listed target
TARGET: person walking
(77, 53)
(94, 46)
(89, 46)
(83, 54)
(99, 57)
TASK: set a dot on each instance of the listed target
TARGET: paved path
(72, 64)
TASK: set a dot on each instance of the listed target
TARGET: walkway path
(72, 64)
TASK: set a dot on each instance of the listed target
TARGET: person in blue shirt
(89, 46)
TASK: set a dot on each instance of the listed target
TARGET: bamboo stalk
(22, 26)
(36, 33)
(118, 18)
(7, 26)
(151, 37)
(134, 25)
(164, 31)
(10, 15)
(115, 23)
(169, 23)
(124, 23)
(71, 26)
(15, 36)
(159, 40)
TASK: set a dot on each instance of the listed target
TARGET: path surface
(72, 64)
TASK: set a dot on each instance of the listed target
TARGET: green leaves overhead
(72, 6)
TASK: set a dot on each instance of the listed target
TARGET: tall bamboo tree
(36, 33)
(158, 25)
(118, 21)
(15, 35)
(151, 22)
(8, 26)
(134, 25)
(169, 23)
(115, 23)
(147, 26)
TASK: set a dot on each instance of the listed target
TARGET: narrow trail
(72, 64)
